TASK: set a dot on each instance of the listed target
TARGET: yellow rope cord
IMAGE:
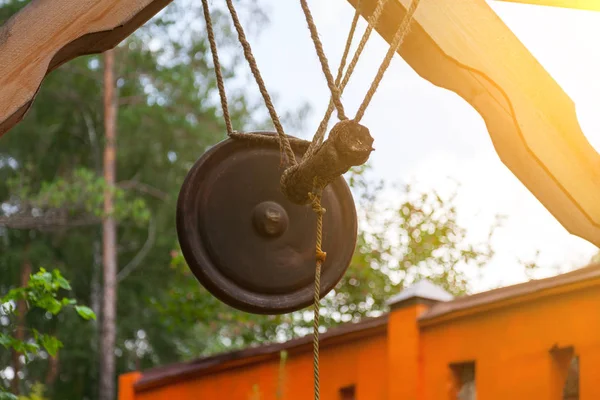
(320, 259)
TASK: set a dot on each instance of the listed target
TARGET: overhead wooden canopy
(48, 33)
(465, 47)
(461, 45)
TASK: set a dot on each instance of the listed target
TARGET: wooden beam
(465, 47)
(48, 33)
(590, 5)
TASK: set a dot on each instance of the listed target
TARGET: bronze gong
(246, 243)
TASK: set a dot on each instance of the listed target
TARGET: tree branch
(143, 188)
(133, 100)
(20, 221)
(141, 255)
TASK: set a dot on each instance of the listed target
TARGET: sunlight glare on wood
(590, 5)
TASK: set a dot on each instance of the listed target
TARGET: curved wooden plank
(47, 33)
(465, 47)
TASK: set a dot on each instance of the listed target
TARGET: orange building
(536, 340)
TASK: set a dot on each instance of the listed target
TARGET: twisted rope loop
(372, 22)
(336, 88)
(320, 134)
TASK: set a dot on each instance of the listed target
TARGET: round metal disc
(246, 243)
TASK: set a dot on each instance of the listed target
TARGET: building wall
(521, 348)
(511, 348)
(361, 363)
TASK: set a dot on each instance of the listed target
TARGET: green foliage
(532, 266)
(37, 393)
(412, 236)
(7, 396)
(256, 394)
(81, 192)
(51, 178)
(168, 114)
(85, 312)
(42, 292)
(416, 236)
(283, 357)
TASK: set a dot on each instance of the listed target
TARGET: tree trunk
(96, 282)
(96, 304)
(109, 253)
(22, 311)
(53, 369)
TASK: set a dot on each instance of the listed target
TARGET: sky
(429, 135)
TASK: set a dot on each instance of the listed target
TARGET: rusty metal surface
(246, 243)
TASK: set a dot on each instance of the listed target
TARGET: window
(348, 393)
(571, 388)
(566, 362)
(464, 381)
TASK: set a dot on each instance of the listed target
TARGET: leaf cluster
(43, 292)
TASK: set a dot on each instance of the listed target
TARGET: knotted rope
(372, 22)
(336, 88)
(320, 134)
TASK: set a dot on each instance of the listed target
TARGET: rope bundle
(349, 142)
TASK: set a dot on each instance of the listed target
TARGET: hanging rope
(320, 134)
(395, 45)
(372, 22)
(335, 92)
(320, 258)
(399, 37)
(336, 88)
(349, 40)
(284, 144)
(217, 65)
